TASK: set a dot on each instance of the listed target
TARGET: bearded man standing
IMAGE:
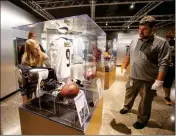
(148, 57)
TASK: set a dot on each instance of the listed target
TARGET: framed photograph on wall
(19, 49)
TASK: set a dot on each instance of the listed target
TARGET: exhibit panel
(70, 92)
(110, 63)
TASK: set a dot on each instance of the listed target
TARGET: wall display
(19, 49)
(75, 48)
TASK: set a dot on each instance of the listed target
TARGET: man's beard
(148, 36)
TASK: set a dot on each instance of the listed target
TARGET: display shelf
(35, 121)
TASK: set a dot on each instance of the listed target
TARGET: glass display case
(110, 63)
(75, 48)
(110, 55)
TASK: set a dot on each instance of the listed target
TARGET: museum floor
(162, 120)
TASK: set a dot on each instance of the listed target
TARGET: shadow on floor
(170, 122)
(169, 127)
(153, 124)
(120, 78)
(133, 111)
(120, 127)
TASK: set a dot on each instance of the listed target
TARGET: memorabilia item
(60, 51)
(70, 90)
(82, 107)
(89, 74)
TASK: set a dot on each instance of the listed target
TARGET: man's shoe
(123, 111)
(139, 125)
(168, 101)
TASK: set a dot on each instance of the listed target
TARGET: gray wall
(11, 16)
(162, 31)
(124, 39)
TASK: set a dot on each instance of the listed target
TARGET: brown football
(70, 90)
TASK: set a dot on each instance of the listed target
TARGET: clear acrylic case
(110, 55)
(87, 42)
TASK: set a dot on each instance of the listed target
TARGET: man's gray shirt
(148, 58)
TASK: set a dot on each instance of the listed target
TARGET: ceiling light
(132, 6)
(106, 23)
(128, 27)
(172, 118)
(32, 25)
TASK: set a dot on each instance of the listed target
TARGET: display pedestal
(110, 77)
(36, 124)
(95, 123)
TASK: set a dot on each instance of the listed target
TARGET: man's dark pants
(133, 87)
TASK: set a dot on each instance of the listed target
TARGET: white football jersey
(60, 52)
(62, 25)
